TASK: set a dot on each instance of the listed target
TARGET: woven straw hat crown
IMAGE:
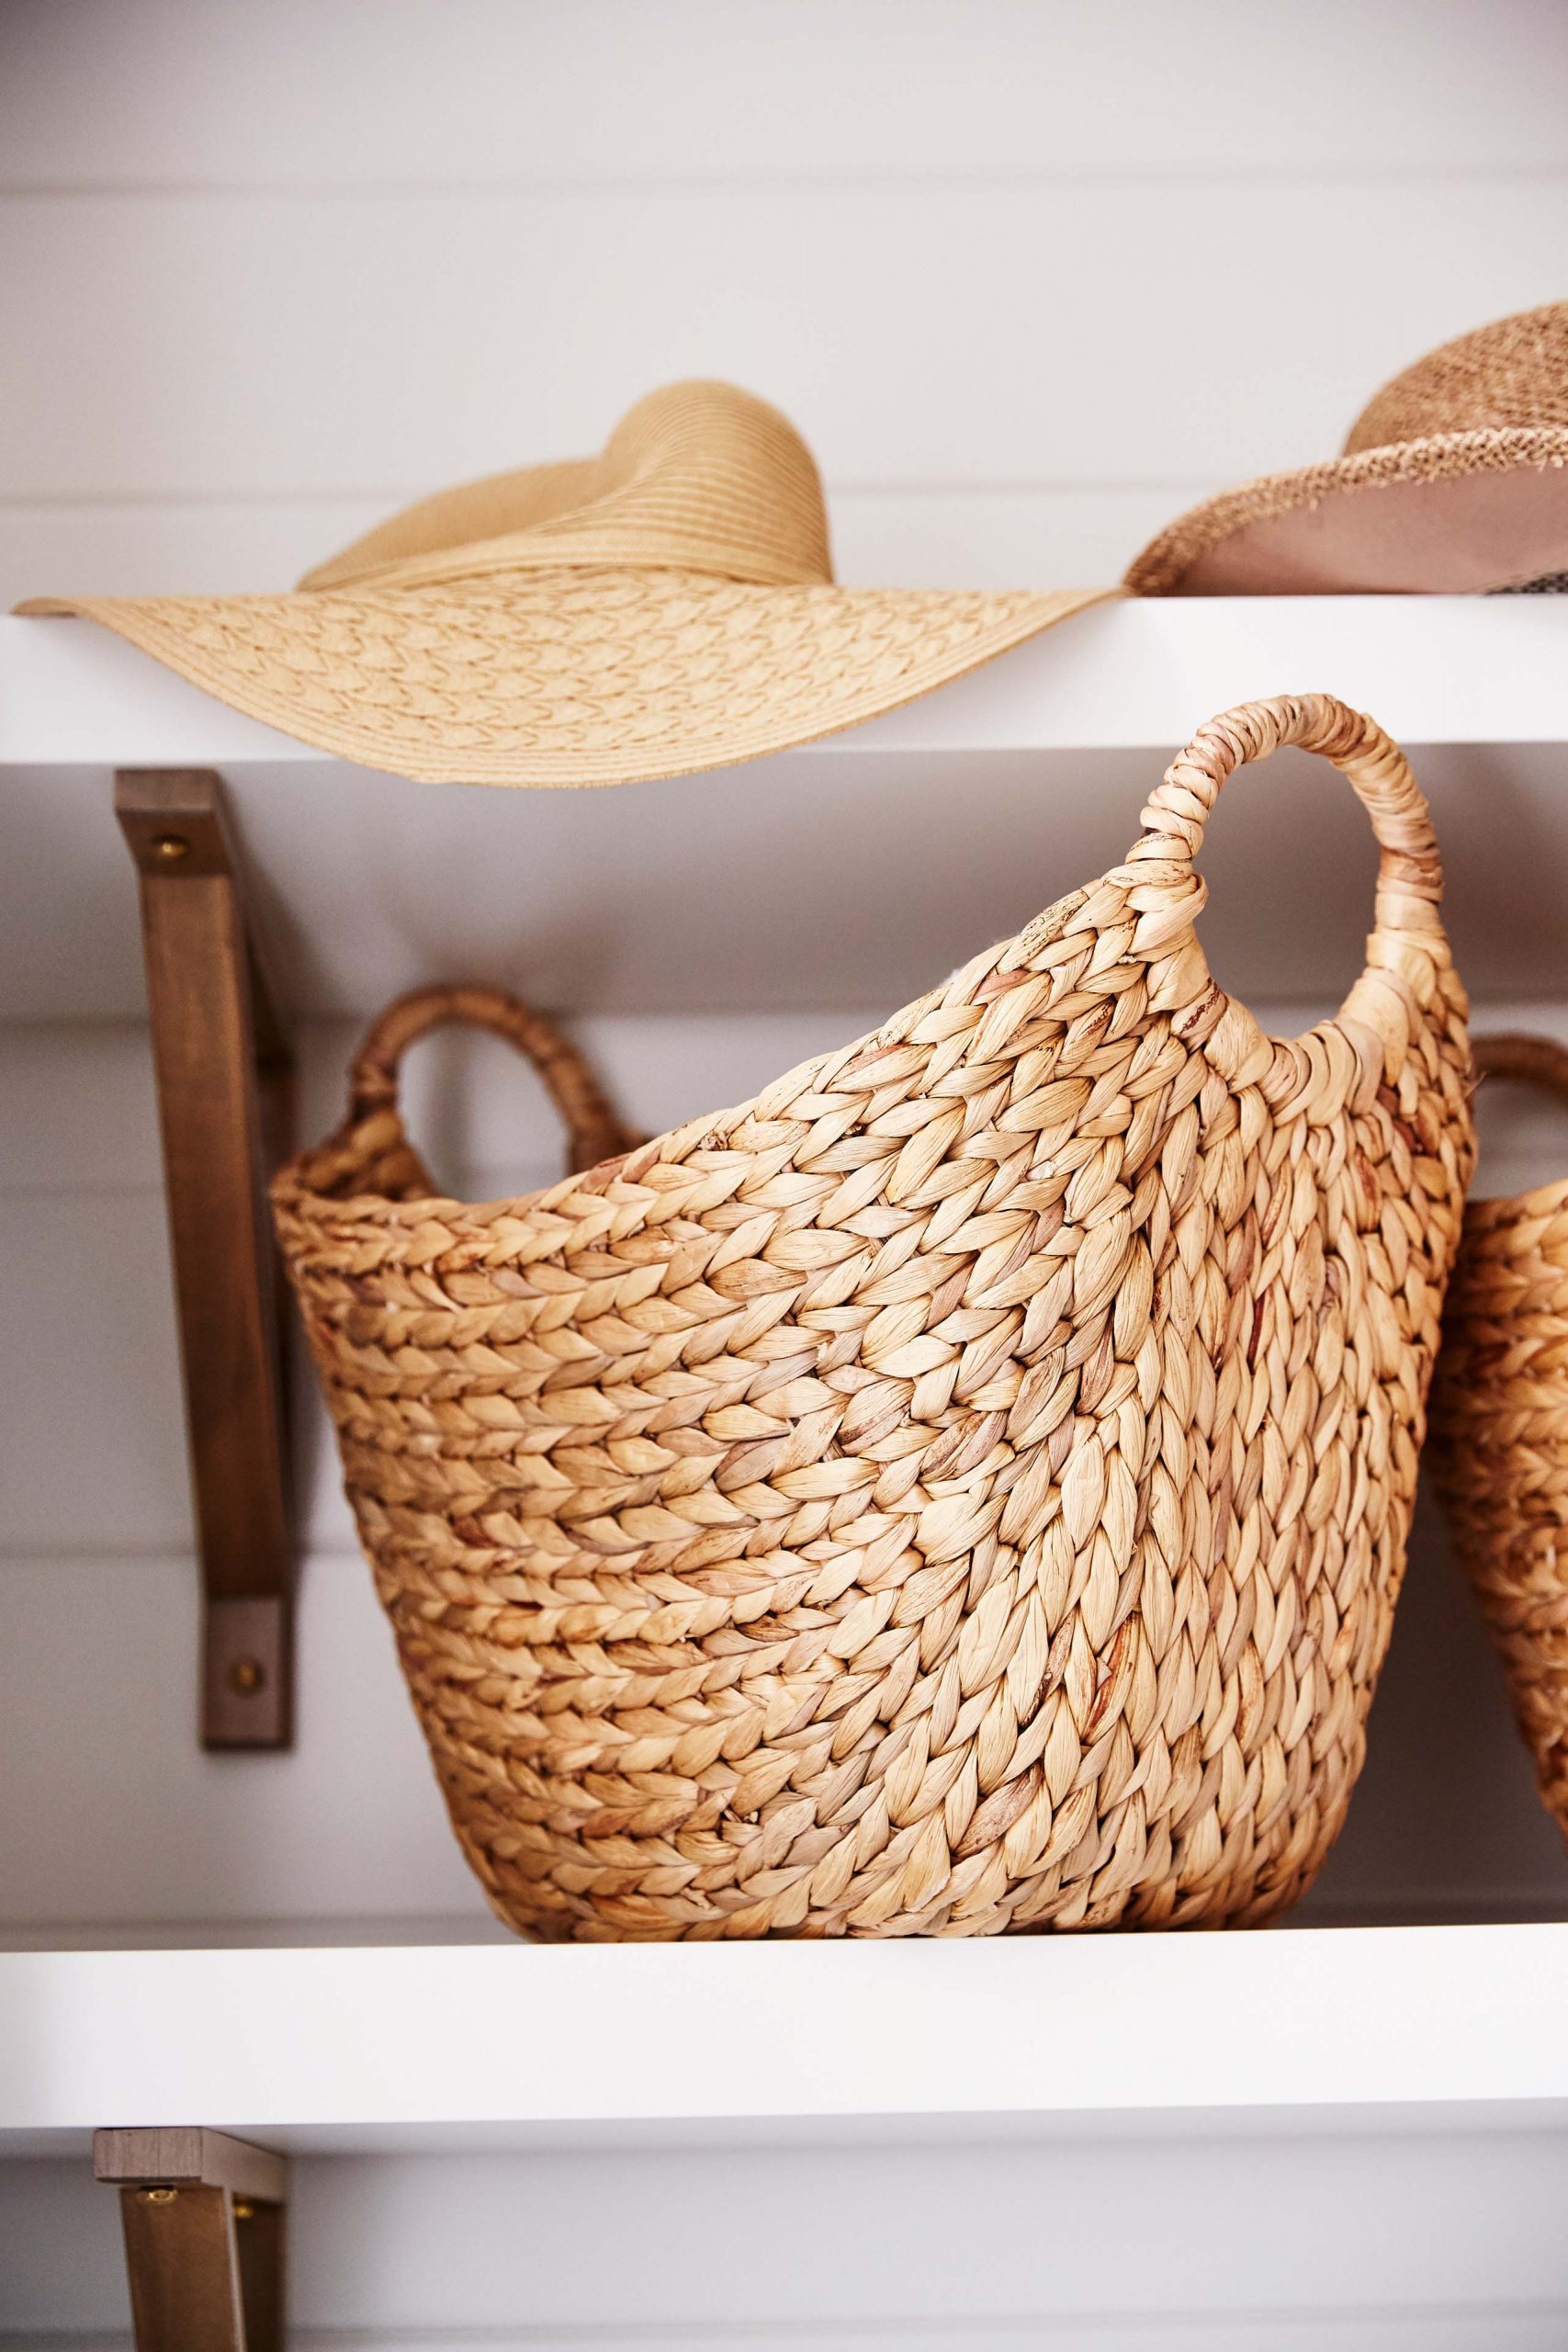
(697, 477)
(1513, 374)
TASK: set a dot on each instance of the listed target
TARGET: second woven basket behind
(1500, 1426)
(965, 1488)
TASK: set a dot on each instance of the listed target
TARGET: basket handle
(1534, 1061)
(1168, 895)
(595, 1130)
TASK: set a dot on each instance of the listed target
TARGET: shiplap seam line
(130, 1188)
(1260, 2328)
(154, 1556)
(1069, 180)
(949, 487)
(952, 2326)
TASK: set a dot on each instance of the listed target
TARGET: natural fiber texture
(964, 1488)
(593, 1130)
(665, 607)
(1512, 375)
(1492, 402)
(1500, 1426)
(1165, 561)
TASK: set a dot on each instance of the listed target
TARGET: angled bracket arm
(224, 1077)
(203, 2220)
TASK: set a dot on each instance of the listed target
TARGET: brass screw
(169, 848)
(243, 2210)
(247, 1676)
(158, 2196)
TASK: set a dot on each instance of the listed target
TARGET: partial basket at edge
(964, 1489)
(1500, 1426)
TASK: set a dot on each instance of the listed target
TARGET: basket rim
(292, 1185)
(1497, 1212)
(1413, 958)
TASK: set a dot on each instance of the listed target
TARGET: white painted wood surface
(1132, 674)
(906, 2142)
(387, 338)
(154, 93)
(313, 2048)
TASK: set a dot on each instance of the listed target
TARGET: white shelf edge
(379, 2041)
(1131, 675)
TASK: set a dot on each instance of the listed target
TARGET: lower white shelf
(400, 2048)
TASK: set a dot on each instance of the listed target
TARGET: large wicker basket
(1500, 1426)
(965, 1488)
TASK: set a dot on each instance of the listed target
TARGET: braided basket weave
(1500, 1426)
(964, 1488)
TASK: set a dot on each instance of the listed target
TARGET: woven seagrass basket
(1500, 1426)
(965, 1488)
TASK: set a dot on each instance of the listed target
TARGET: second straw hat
(1453, 480)
(666, 606)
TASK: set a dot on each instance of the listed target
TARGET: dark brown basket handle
(1534, 1061)
(595, 1131)
(1168, 895)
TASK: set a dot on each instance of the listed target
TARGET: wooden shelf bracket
(203, 2219)
(225, 1086)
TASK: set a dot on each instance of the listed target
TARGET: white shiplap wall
(1083, 2241)
(1029, 277)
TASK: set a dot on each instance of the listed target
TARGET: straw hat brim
(576, 675)
(1453, 513)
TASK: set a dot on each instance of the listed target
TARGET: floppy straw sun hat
(666, 606)
(1453, 479)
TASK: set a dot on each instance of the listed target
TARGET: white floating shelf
(853, 873)
(407, 2047)
(1136, 675)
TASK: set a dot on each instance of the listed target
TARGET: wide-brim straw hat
(1453, 482)
(666, 606)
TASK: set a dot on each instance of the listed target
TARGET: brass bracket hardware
(203, 2220)
(225, 1086)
